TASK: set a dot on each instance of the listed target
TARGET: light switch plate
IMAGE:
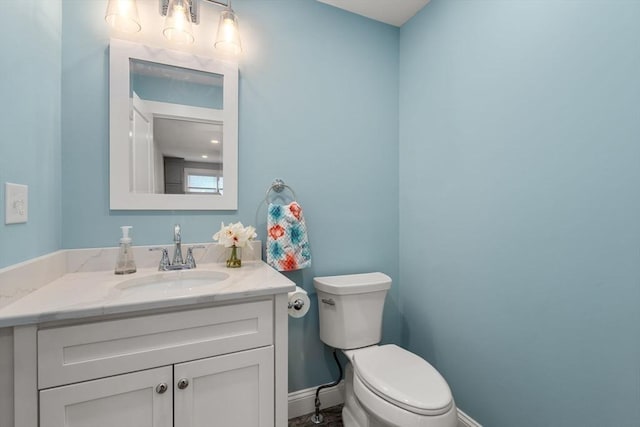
(16, 204)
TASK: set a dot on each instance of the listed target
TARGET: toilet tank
(350, 308)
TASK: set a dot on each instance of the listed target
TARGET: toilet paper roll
(298, 302)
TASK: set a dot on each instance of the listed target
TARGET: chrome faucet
(178, 263)
(177, 245)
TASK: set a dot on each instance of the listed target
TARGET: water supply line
(317, 417)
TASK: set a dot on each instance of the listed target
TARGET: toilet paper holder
(297, 304)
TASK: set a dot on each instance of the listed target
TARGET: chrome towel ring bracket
(279, 186)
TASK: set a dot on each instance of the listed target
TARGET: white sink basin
(169, 281)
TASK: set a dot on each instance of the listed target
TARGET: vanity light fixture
(122, 15)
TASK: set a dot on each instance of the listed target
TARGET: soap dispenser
(125, 263)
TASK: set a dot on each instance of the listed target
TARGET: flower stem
(234, 260)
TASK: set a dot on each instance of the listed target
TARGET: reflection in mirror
(176, 141)
(173, 130)
(176, 85)
(190, 151)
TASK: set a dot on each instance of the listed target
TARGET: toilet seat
(402, 379)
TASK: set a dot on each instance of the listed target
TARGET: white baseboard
(302, 402)
(465, 420)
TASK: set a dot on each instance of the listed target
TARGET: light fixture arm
(220, 3)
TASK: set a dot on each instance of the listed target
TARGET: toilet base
(353, 414)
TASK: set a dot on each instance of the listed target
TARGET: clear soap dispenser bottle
(125, 263)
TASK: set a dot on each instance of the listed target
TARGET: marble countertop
(85, 294)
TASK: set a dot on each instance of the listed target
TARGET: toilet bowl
(385, 385)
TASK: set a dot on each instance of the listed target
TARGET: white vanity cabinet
(231, 390)
(218, 365)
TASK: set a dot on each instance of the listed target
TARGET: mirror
(173, 130)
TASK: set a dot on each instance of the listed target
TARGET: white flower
(235, 235)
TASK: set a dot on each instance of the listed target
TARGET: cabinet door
(129, 400)
(231, 390)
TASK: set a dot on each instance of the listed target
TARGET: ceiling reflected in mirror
(189, 140)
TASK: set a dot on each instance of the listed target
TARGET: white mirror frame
(120, 52)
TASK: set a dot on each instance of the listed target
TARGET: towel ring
(278, 186)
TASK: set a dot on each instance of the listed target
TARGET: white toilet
(385, 385)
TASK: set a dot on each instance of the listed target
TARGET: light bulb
(177, 25)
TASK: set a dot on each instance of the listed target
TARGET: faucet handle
(190, 261)
(164, 261)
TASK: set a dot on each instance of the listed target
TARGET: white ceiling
(394, 12)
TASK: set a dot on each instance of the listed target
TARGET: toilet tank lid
(352, 283)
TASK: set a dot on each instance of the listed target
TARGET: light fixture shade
(177, 24)
(228, 38)
(122, 15)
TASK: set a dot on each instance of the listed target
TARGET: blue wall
(30, 125)
(318, 108)
(520, 207)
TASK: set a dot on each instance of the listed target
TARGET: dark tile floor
(332, 418)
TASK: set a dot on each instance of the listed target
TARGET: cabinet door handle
(183, 383)
(161, 388)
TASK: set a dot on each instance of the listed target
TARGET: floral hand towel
(287, 242)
